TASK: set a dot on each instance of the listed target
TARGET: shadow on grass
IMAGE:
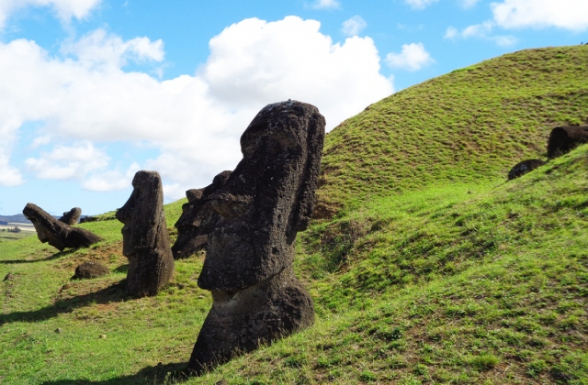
(112, 293)
(160, 374)
(50, 258)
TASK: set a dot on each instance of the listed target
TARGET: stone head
(267, 199)
(40, 219)
(142, 214)
(197, 219)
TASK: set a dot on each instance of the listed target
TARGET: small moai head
(197, 219)
(142, 214)
(267, 199)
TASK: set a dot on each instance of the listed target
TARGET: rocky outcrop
(197, 219)
(145, 236)
(71, 217)
(56, 233)
(564, 139)
(265, 202)
(524, 167)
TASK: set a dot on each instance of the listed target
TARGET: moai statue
(71, 217)
(56, 233)
(267, 199)
(197, 219)
(145, 236)
(564, 139)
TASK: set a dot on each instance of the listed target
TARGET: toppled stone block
(564, 139)
(197, 219)
(524, 167)
(56, 233)
(145, 236)
(267, 199)
(71, 217)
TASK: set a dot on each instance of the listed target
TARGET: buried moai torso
(268, 198)
(197, 220)
(145, 236)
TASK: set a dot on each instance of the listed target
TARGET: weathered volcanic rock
(197, 219)
(267, 199)
(145, 236)
(524, 167)
(241, 321)
(56, 233)
(71, 217)
(564, 139)
(90, 270)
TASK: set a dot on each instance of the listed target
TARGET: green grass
(446, 274)
(6, 236)
(471, 125)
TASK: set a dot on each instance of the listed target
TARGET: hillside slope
(434, 270)
(469, 125)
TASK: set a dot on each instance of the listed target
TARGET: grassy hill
(471, 125)
(434, 270)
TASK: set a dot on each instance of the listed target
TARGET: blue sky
(93, 90)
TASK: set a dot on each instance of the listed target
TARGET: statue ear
(305, 197)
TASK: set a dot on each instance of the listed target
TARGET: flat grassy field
(443, 274)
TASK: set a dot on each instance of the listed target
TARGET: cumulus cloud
(353, 26)
(83, 96)
(420, 4)
(111, 180)
(481, 31)
(565, 14)
(101, 49)
(68, 162)
(325, 4)
(412, 57)
(65, 9)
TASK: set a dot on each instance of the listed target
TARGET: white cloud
(420, 4)
(469, 3)
(111, 180)
(413, 57)
(64, 162)
(194, 121)
(565, 14)
(64, 9)
(481, 31)
(353, 26)
(451, 33)
(325, 4)
(99, 49)
(9, 124)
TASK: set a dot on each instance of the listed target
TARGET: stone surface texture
(71, 217)
(198, 219)
(265, 202)
(56, 233)
(564, 139)
(90, 270)
(145, 236)
(524, 167)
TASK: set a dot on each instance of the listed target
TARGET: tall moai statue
(197, 219)
(266, 201)
(145, 236)
(56, 233)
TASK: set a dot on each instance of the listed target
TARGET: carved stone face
(141, 214)
(267, 199)
(197, 219)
